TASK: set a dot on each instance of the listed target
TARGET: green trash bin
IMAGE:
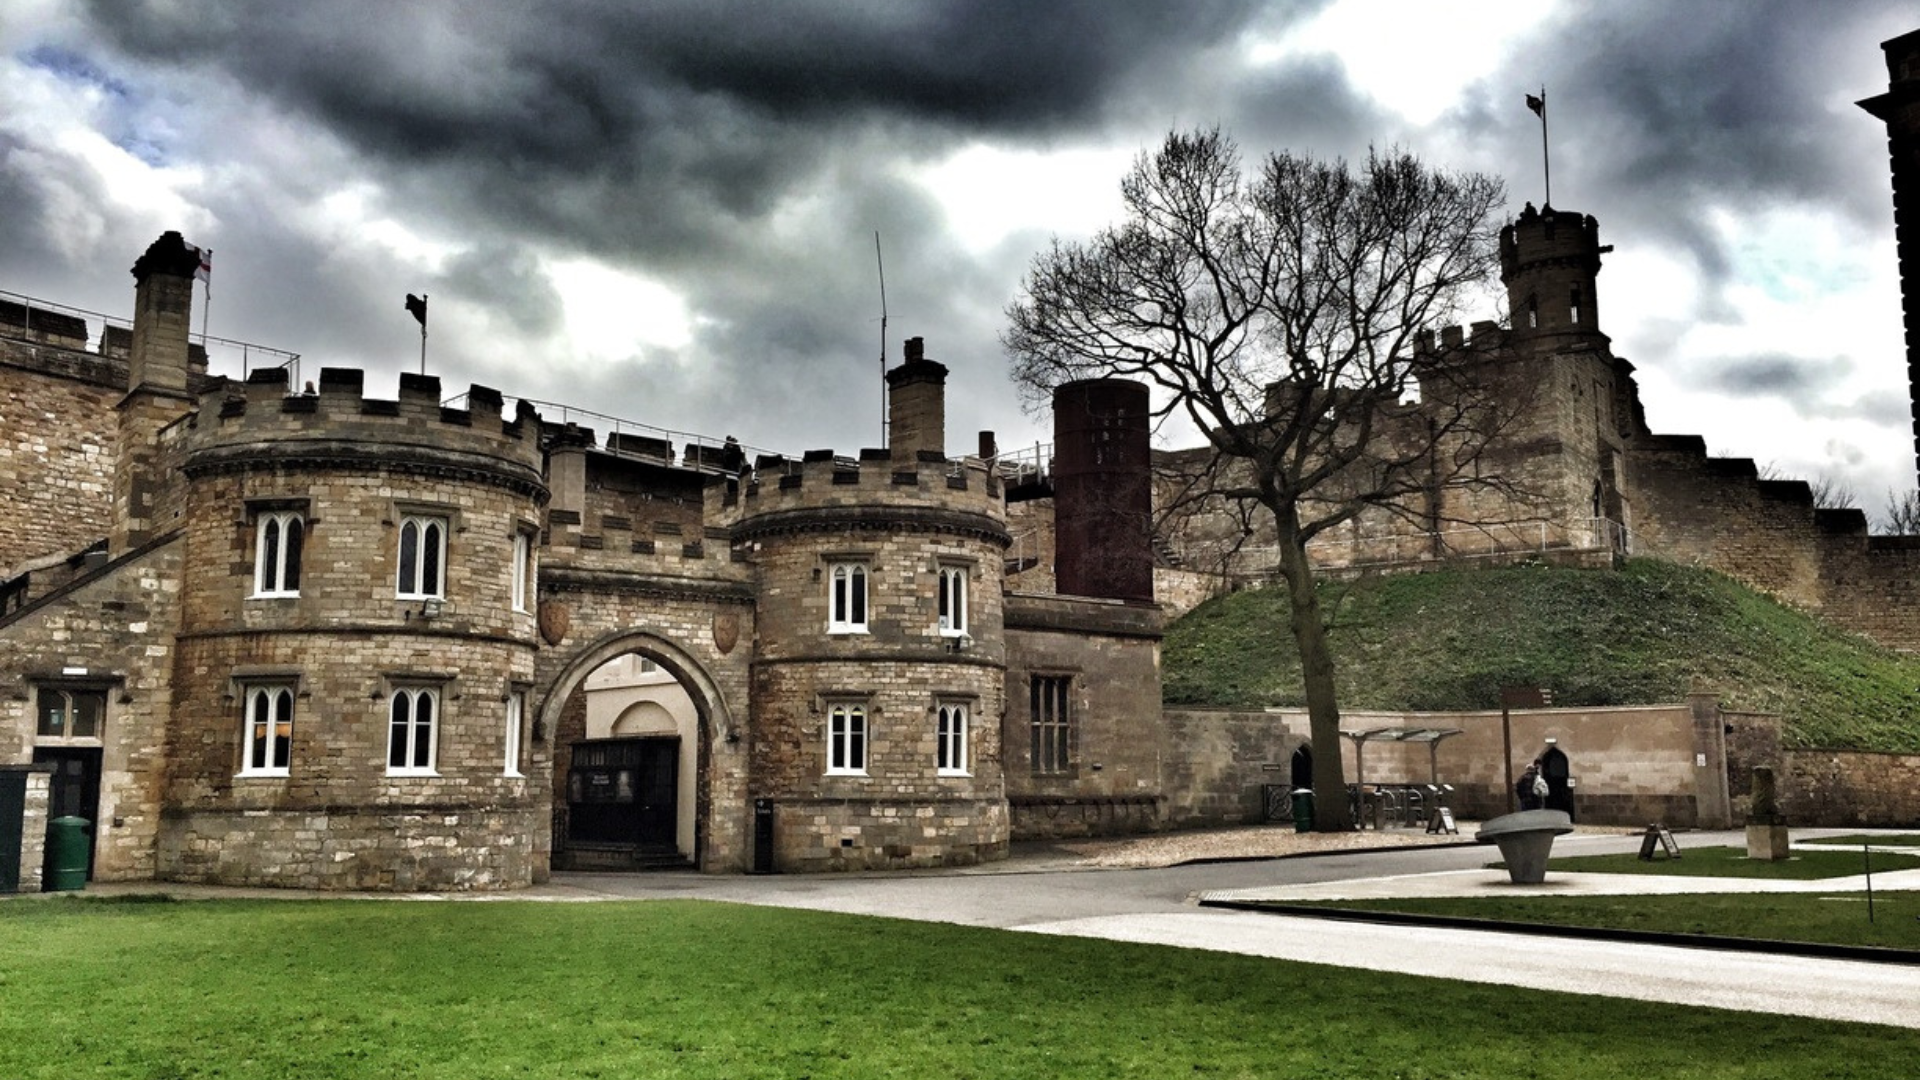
(1302, 810)
(67, 849)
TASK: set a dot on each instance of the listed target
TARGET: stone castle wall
(1849, 789)
(1717, 513)
(107, 632)
(1632, 764)
(68, 464)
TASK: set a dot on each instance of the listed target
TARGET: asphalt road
(1159, 906)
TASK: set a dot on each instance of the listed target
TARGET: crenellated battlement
(1549, 235)
(874, 488)
(265, 420)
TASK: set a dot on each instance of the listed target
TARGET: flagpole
(417, 307)
(1546, 163)
(205, 273)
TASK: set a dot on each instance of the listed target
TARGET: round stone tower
(356, 640)
(879, 666)
(1549, 260)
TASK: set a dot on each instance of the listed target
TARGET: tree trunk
(1330, 810)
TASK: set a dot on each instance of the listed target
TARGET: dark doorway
(1303, 768)
(1554, 768)
(621, 797)
(76, 788)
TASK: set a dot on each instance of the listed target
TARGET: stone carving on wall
(554, 618)
(726, 631)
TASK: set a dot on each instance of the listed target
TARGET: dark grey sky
(667, 211)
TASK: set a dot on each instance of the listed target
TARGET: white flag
(204, 272)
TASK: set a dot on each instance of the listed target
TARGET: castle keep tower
(353, 660)
(879, 669)
(1899, 109)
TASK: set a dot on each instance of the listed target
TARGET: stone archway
(688, 764)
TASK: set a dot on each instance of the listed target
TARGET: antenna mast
(882, 266)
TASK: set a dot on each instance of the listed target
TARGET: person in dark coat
(1531, 788)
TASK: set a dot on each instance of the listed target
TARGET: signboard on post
(1516, 697)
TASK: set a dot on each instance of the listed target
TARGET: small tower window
(1573, 306)
(1533, 313)
(847, 598)
(423, 550)
(278, 538)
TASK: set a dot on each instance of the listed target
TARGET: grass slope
(1643, 634)
(315, 991)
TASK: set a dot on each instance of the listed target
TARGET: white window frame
(516, 718)
(952, 732)
(412, 734)
(431, 532)
(522, 569)
(263, 708)
(270, 570)
(954, 586)
(849, 739)
(849, 609)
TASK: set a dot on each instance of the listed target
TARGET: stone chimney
(158, 365)
(917, 406)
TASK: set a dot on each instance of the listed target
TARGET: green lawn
(1910, 840)
(1833, 918)
(314, 990)
(1733, 862)
(1643, 634)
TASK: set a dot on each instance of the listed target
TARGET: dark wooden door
(76, 788)
(13, 814)
(624, 791)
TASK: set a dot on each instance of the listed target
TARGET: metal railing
(696, 450)
(1029, 465)
(246, 354)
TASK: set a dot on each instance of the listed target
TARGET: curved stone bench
(1525, 839)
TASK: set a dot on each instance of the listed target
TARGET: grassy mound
(1643, 634)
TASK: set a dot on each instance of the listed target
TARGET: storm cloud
(667, 212)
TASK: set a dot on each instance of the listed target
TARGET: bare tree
(1902, 515)
(1827, 491)
(1281, 313)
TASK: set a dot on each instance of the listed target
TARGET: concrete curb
(1814, 949)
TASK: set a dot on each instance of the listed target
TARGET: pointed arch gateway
(635, 795)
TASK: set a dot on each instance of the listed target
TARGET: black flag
(417, 307)
(1538, 105)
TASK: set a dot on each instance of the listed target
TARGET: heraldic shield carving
(726, 632)
(553, 619)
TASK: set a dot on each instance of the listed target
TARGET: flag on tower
(1538, 105)
(204, 271)
(417, 307)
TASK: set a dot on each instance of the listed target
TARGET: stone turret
(1549, 260)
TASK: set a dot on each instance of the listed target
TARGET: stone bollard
(1525, 839)
(1766, 829)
